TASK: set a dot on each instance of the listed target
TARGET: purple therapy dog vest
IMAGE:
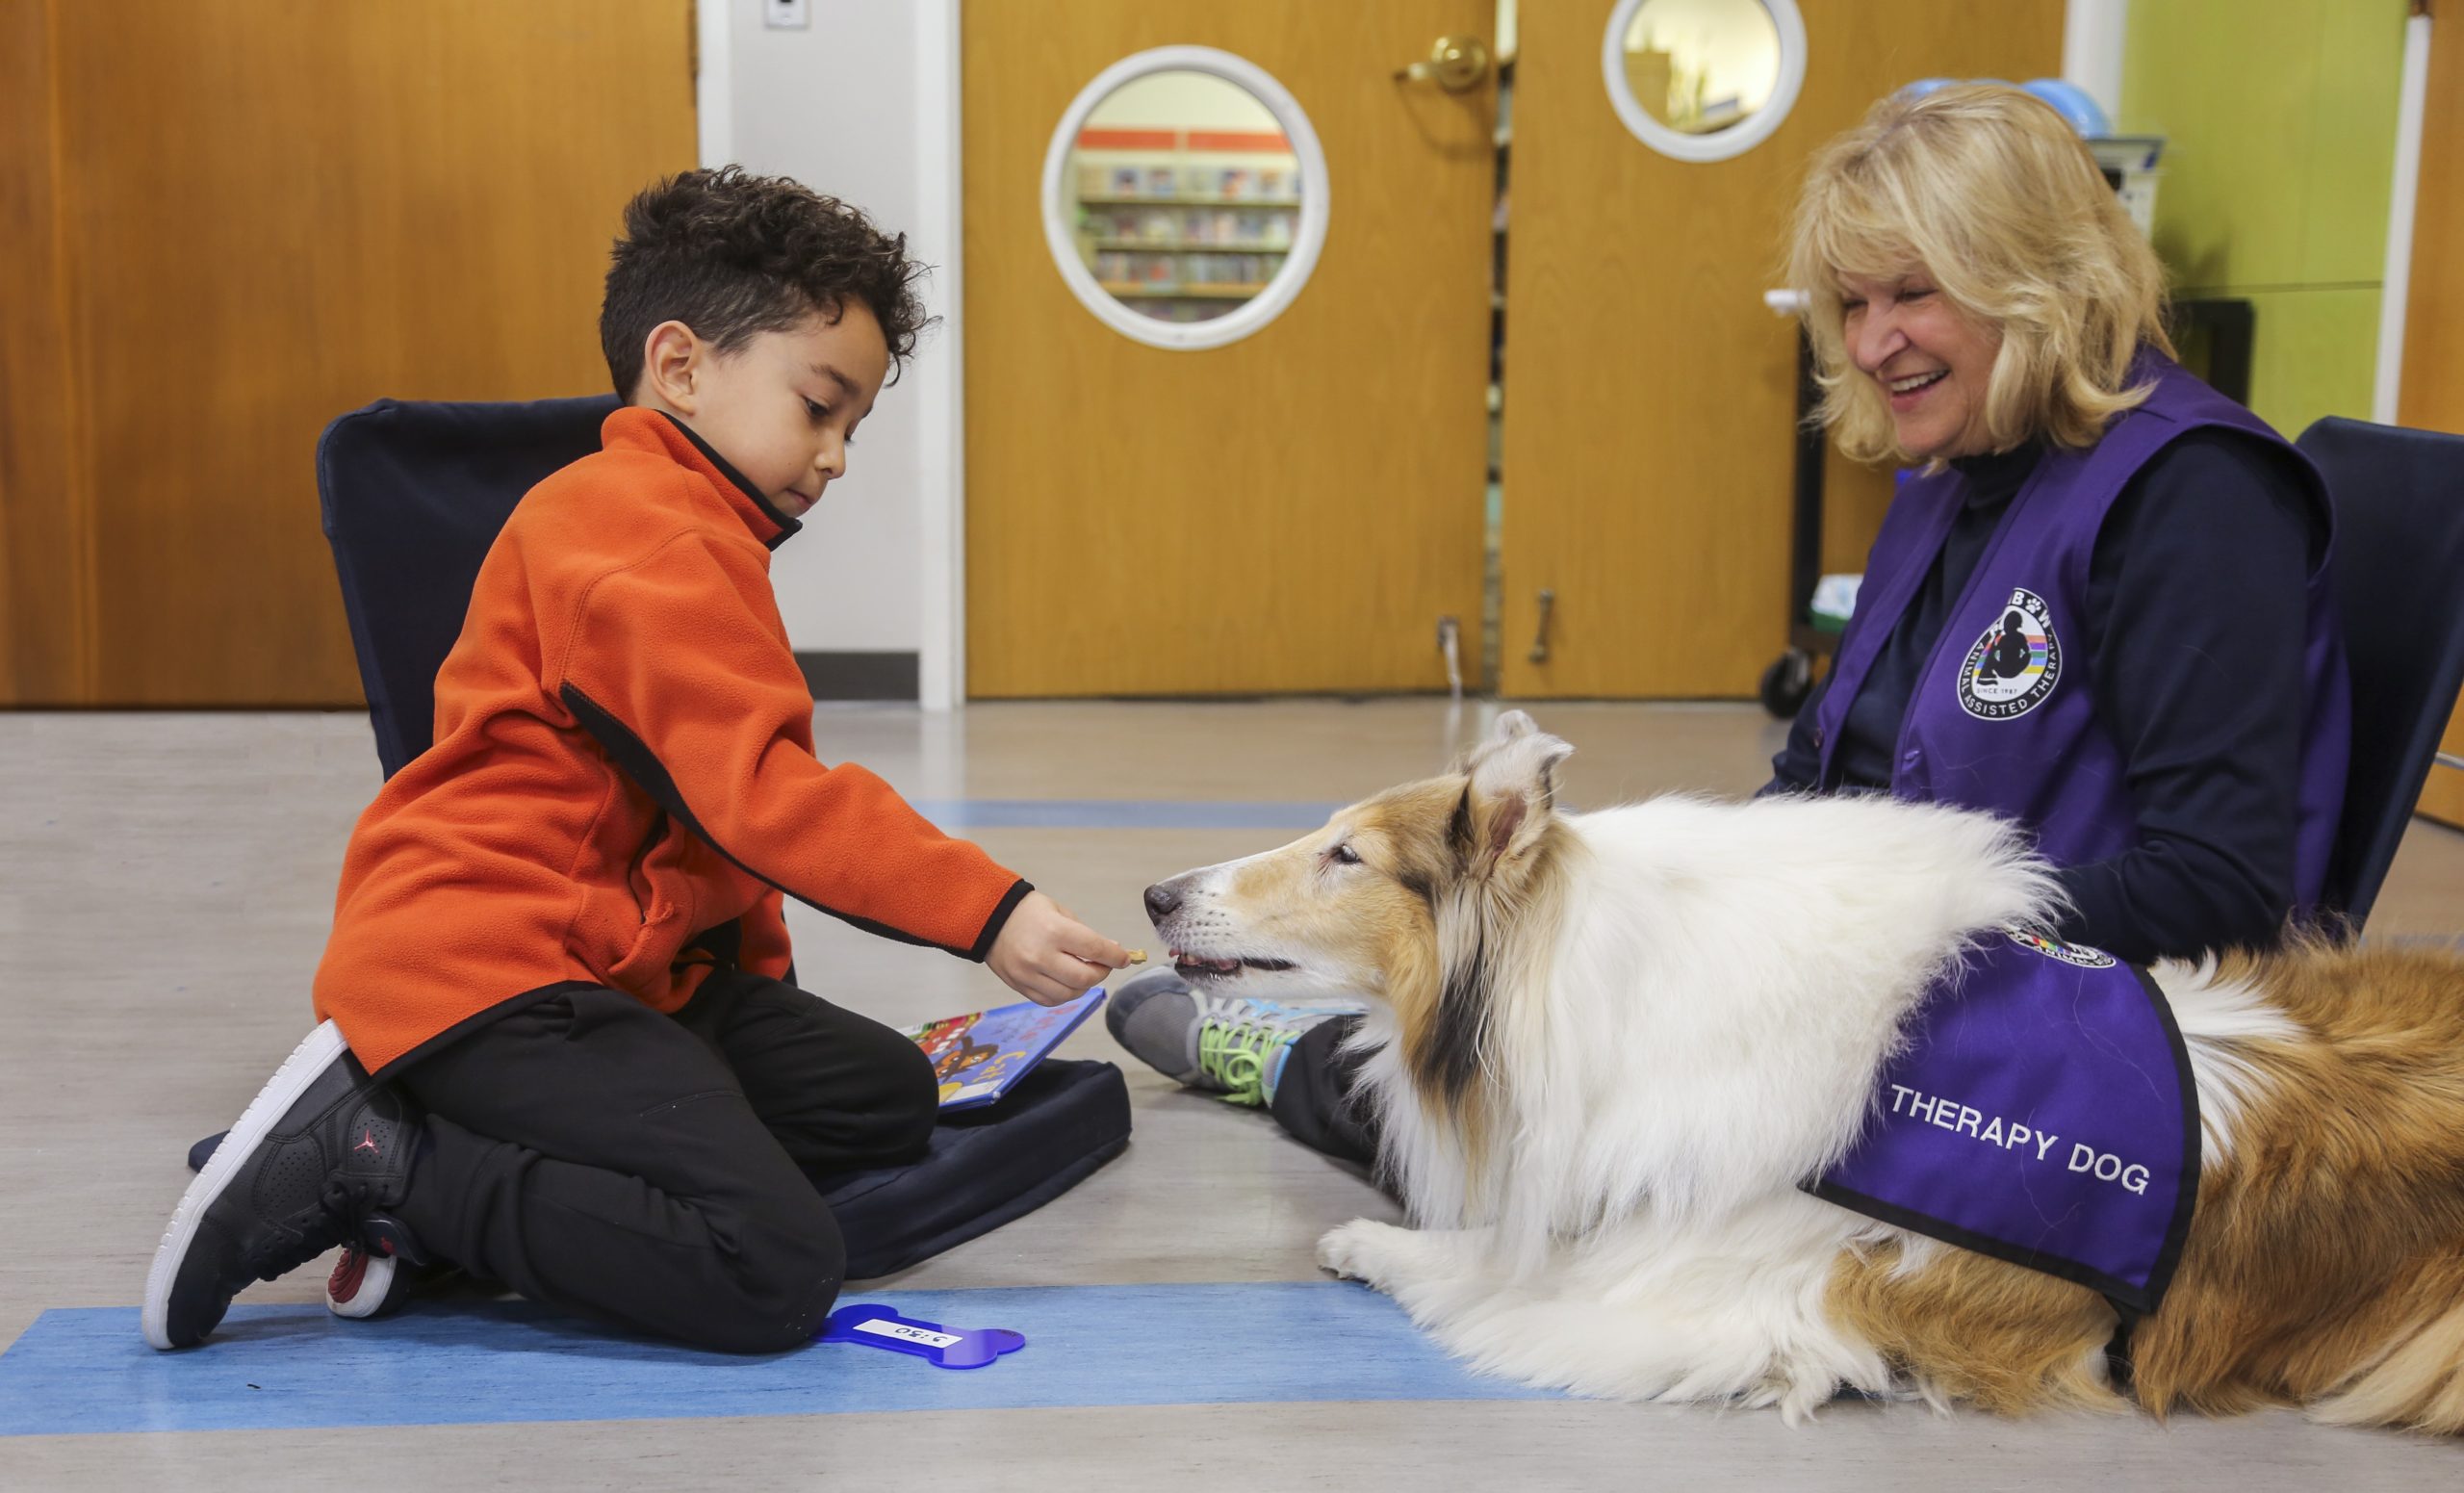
(2043, 1112)
(2004, 714)
(2060, 1043)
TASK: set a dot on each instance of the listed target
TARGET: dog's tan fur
(1972, 1327)
(2325, 1261)
(1442, 844)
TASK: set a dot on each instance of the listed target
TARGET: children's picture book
(980, 1056)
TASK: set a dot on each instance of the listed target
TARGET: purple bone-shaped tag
(946, 1347)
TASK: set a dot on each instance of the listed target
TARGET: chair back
(2399, 586)
(414, 493)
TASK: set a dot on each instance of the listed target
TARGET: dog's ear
(1509, 727)
(1509, 792)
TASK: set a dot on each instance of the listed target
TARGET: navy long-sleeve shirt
(2196, 617)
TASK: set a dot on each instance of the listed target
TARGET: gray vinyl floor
(164, 885)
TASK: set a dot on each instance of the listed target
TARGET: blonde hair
(1988, 191)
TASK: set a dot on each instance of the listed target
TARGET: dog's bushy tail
(2418, 1386)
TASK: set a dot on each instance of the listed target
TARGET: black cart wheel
(1787, 683)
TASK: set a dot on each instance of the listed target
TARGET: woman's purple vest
(2004, 714)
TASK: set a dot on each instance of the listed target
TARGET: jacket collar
(655, 429)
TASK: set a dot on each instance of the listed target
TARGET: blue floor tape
(1127, 813)
(461, 1362)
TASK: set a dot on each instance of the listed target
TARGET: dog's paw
(1363, 1249)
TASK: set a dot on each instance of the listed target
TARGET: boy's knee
(788, 1274)
(910, 1102)
(877, 1110)
(889, 1117)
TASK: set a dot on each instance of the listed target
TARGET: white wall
(858, 105)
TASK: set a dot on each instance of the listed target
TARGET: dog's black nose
(1162, 900)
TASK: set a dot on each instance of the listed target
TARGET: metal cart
(1789, 678)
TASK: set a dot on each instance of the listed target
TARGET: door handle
(1540, 644)
(1455, 63)
(1449, 637)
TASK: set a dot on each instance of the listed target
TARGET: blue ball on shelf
(2075, 104)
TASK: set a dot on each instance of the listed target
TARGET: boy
(559, 946)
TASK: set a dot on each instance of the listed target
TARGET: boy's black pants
(1315, 1100)
(597, 1156)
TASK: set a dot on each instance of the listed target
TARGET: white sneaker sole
(312, 1057)
(376, 1283)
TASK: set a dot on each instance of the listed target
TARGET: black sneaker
(317, 1155)
(369, 1279)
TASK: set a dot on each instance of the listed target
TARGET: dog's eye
(1344, 855)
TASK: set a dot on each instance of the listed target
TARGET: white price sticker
(905, 1333)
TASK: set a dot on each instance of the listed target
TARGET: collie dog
(1605, 1049)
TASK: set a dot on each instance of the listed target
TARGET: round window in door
(1703, 80)
(1185, 198)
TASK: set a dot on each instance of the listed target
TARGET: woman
(2098, 605)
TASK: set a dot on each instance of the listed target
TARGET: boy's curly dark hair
(731, 254)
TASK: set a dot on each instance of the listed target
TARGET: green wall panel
(2280, 124)
(2313, 354)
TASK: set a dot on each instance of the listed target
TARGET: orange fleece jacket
(623, 765)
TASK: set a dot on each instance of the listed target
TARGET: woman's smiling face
(1934, 363)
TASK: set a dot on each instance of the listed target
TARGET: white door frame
(2396, 279)
(940, 376)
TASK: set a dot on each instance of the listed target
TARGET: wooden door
(2431, 394)
(222, 225)
(1293, 511)
(1650, 394)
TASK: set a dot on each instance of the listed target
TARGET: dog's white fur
(1700, 1032)
(1726, 981)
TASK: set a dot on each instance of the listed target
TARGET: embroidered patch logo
(2078, 954)
(2014, 665)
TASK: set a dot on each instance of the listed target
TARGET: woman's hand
(1048, 956)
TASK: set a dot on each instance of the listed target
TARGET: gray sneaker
(1230, 1045)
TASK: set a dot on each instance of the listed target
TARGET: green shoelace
(1237, 1054)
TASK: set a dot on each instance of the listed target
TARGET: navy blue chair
(2400, 585)
(413, 495)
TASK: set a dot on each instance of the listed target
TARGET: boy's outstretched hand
(1048, 956)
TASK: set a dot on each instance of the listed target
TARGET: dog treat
(1138, 956)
